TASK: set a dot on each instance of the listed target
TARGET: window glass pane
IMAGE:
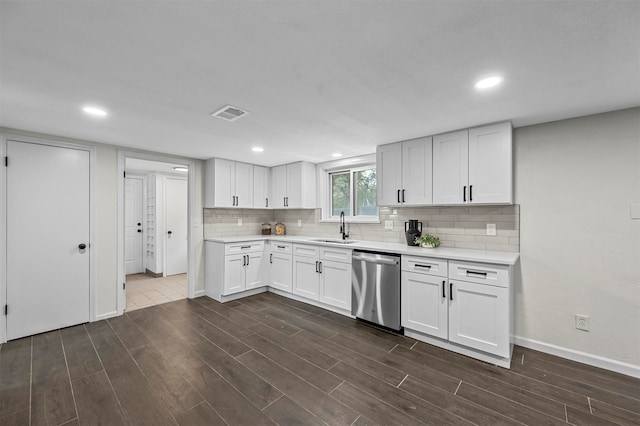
(365, 183)
(340, 194)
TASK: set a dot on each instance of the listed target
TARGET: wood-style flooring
(267, 359)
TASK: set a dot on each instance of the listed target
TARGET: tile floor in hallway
(144, 291)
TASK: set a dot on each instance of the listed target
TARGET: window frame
(347, 165)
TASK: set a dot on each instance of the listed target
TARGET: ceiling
(317, 77)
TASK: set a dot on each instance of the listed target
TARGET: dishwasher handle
(384, 261)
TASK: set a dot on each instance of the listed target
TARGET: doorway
(163, 272)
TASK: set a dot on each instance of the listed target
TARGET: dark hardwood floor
(271, 360)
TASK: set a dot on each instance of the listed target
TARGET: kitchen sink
(335, 241)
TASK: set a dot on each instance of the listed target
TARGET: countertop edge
(449, 253)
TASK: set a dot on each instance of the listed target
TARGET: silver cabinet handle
(374, 260)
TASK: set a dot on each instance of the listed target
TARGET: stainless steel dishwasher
(375, 288)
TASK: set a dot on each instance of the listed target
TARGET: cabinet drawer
(425, 265)
(307, 251)
(277, 247)
(337, 255)
(483, 273)
(244, 247)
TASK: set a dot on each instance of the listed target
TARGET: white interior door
(176, 249)
(48, 212)
(133, 225)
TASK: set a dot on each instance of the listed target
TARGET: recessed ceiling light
(337, 155)
(488, 82)
(257, 149)
(181, 169)
(94, 111)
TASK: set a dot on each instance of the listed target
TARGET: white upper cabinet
(404, 172)
(490, 164)
(450, 167)
(228, 184)
(416, 171)
(261, 187)
(294, 186)
(473, 166)
(389, 171)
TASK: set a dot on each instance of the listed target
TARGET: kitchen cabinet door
(254, 270)
(261, 188)
(281, 266)
(424, 304)
(224, 182)
(234, 274)
(306, 280)
(450, 167)
(490, 164)
(389, 174)
(243, 185)
(417, 172)
(294, 185)
(279, 185)
(479, 317)
(335, 284)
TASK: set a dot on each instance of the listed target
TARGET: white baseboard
(583, 357)
(106, 316)
(200, 293)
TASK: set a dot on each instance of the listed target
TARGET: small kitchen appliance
(412, 230)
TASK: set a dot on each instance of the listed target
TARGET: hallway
(144, 291)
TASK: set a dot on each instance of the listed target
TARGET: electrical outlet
(239, 221)
(388, 224)
(582, 322)
(491, 229)
(299, 222)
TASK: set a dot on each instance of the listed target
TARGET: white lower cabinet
(465, 307)
(424, 304)
(306, 277)
(335, 284)
(281, 266)
(479, 317)
(323, 274)
(233, 268)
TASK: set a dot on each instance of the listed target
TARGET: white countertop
(468, 255)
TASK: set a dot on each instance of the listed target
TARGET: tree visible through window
(354, 191)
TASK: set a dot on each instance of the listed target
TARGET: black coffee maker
(412, 232)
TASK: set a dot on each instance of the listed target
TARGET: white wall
(580, 251)
(106, 227)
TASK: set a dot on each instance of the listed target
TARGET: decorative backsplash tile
(463, 227)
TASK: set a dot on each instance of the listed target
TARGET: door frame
(191, 230)
(164, 222)
(4, 138)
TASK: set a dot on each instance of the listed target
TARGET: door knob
(82, 246)
(139, 224)
(169, 232)
(139, 230)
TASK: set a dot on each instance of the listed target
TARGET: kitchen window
(353, 191)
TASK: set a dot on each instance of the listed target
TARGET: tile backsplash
(463, 227)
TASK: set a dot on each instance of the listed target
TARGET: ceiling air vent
(229, 113)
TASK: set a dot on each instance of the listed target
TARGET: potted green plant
(428, 241)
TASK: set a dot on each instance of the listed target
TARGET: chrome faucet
(343, 226)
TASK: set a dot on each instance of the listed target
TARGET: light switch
(388, 224)
(635, 211)
(491, 229)
(299, 222)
